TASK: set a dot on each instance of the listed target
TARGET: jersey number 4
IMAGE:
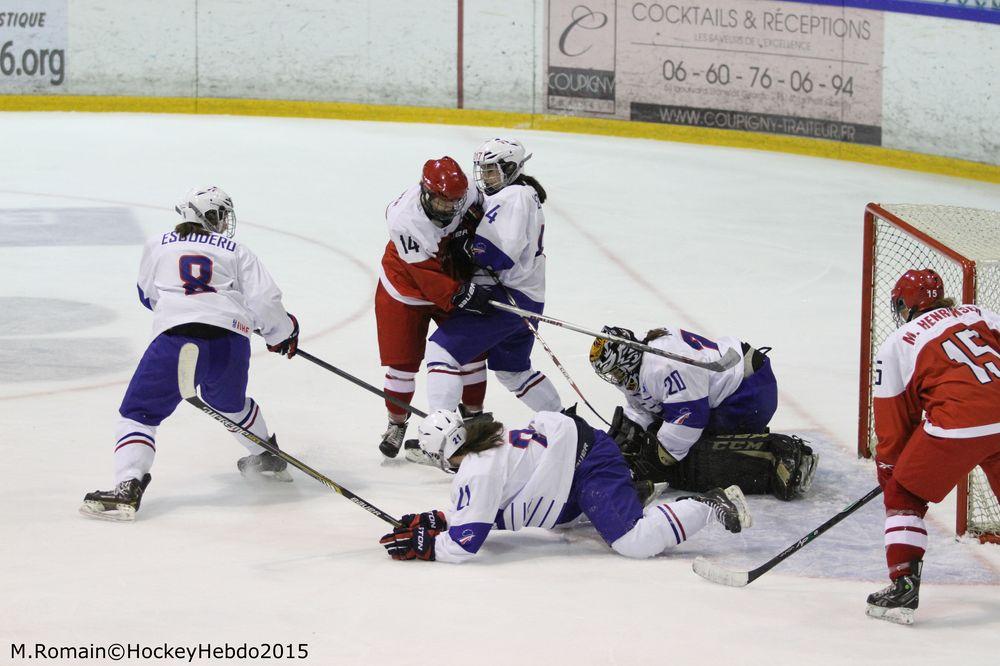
(196, 274)
(968, 339)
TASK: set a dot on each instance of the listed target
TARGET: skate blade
(284, 476)
(122, 513)
(897, 615)
(736, 496)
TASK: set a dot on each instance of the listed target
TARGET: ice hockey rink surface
(763, 246)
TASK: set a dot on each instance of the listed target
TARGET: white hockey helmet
(210, 208)
(441, 434)
(498, 163)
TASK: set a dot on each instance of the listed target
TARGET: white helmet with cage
(210, 208)
(441, 434)
(498, 163)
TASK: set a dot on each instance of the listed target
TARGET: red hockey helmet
(443, 188)
(915, 291)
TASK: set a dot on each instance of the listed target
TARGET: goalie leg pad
(782, 465)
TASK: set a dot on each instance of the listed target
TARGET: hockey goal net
(963, 246)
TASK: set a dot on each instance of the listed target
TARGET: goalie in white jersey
(207, 289)
(545, 475)
(679, 420)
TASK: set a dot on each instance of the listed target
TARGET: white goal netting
(975, 235)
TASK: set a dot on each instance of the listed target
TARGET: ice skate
(119, 504)
(729, 507)
(264, 465)
(897, 602)
(415, 454)
(392, 439)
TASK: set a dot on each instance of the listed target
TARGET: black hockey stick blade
(187, 362)
(360, 382)
(723, 576)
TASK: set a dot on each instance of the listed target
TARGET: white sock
(135, 449)
(663, 526)
(251, 418)
(532, 388)
(444, 379)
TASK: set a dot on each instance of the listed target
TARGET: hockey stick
(359, 382)
(534, 331)
(186, 364)
(723, 576)
(730, 359)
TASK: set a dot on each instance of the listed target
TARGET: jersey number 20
(196, 274)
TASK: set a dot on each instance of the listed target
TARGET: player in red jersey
(937, 416)
(424, 273)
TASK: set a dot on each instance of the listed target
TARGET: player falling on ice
(937, 416)
(677, 421)
(545, 475)
(422, 269)
(207, 289)
(508, 249)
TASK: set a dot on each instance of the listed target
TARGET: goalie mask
(442, 434)
(211, 209)
(915, 291)
(498, 163)
(616, 362)
(443, 188)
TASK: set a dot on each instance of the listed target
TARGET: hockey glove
(410, 543)
(432, 520)
(473, 216)
(462, 266)
(290, 345)
(473, 298)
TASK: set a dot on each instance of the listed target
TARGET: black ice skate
(264, 465)
(897, 602)
(729, 507)
(392, 439)
(119, 504)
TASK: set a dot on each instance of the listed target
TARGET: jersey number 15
(968, 339)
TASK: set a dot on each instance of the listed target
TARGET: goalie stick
(723, 576)
(186, 364)
(730, 359)
(525, 314)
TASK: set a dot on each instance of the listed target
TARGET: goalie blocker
(758, 463)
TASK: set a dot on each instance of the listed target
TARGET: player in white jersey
(207, 289)
(508, 250)
(670, 406)
(545, 475)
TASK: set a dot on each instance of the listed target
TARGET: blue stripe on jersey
(540, 500)
(499, 521)
(691, 413)
(671, 522)
(551, 504)
(469, 536)
(142, 298)
(486, 254)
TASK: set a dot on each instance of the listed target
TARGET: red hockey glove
(409, 543)
(432, 520)
(290, 345)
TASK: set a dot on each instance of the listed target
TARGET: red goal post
(963, 246)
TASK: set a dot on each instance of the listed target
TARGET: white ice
(640, 233)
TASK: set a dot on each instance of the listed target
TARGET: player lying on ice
(545, 475)
(937, 416)
(696, 428)
(206, 289)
